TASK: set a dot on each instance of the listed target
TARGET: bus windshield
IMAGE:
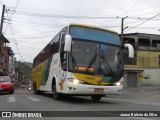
(92, 34)
(95, 58)
(95, 52)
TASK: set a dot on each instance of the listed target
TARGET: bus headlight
(75, 81)
(118, 84)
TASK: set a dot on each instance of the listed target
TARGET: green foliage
(23, 71)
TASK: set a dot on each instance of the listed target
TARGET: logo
(6, 114)
(99, 82)
(61, 84)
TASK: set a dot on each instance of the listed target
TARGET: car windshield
(95, 58)
(5, 79)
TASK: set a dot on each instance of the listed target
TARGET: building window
(144, 42)
(156, 43)
(159, 59)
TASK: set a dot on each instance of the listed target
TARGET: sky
(30, 25)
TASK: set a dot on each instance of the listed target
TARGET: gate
(131, 79)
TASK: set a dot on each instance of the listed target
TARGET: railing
(148, 48)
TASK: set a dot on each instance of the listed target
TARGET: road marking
(33, 99)
(11, 99)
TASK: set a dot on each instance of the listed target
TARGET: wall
(149, 77)
(148, 59)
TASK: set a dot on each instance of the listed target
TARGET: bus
(81, 60)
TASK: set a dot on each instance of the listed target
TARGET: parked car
(6, 84)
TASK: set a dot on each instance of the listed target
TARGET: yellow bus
(81, 60)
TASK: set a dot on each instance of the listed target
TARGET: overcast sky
(35, 22)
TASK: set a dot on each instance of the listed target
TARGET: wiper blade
(73, 59)
(106, 61)
(93, 59)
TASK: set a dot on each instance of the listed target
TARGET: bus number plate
(98, 90)
(1, 88)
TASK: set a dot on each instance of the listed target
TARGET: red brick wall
(3, 56)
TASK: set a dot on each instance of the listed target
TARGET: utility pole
(2, 18)
(19, 72)
(122, 29)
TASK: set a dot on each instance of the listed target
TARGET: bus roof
(91, 26)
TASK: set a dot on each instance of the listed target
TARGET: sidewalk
(141, 92)
(141, 95)
(146, 93)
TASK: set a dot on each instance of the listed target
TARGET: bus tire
(96, 98)
(56, 96)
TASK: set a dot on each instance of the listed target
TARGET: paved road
(23, 100)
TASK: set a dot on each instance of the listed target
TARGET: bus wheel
(56, 95)
(96, 98)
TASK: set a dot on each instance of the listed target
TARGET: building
(3, 55)
(6, 58)
(11, 68)
(144, 69)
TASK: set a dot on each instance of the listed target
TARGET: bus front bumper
(83, 89)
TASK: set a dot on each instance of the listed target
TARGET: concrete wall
(149, 77)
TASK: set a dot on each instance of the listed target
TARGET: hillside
(28, 64)
(23, 71)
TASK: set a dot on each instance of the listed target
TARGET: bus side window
(63, 33)
(63, 55)
(55, 44)
(64, 60)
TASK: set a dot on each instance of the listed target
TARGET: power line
(116, 13)
(15, 7)
(1, 3)
(142, 22)
(35, 23)
(76, 17)
(15, 42)
(12, 32)
(28, 42)
(39, 33)
(146, 27)
(35, 37)
(137, 4)
(132, 6)
(11, 28)
(39, 46)
(63, 16)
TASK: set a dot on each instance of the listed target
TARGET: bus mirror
(130, 49)
(68, 42)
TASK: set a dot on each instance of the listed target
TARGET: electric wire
(15, 7)
(1, 3)
(12, 32)
(142, 23)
